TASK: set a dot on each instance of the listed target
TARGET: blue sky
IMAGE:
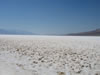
(50, 16)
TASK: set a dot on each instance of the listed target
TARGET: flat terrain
(49, 55)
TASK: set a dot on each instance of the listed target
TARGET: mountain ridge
(14, 32)
(88, 33)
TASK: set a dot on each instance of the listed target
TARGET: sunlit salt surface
(49, 55)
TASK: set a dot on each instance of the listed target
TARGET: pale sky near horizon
(50, 16)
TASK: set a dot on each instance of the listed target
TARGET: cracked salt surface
(49, 55)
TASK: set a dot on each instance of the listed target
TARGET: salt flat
(49, 55)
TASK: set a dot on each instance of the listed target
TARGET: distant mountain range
(19, 32)
(15, 32)
(88, 33)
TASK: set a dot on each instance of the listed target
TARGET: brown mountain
(89, 33)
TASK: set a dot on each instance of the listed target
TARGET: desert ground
(49, 55)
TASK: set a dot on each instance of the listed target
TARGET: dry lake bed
(49, 55)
